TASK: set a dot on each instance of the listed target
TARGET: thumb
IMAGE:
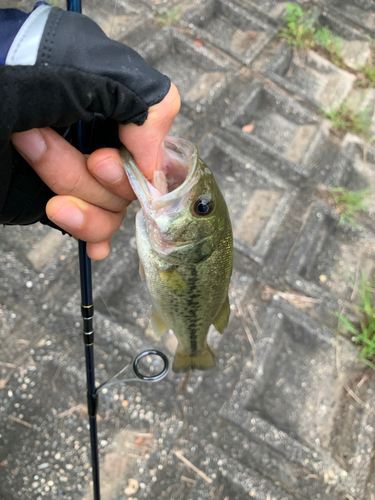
(145, 142)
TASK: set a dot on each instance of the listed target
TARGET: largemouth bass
(184, 240)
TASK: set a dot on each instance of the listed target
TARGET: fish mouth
(171, 185)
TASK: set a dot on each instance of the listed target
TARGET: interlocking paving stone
(134, 32)
(199, 74)
(287, 413)
(275, 9)
(264, 115)
(44, 378)
(268, 410)
(360, 12)
(113, 26)
(243, 481)
(310, 76)
(355, 48)
(258, 199)
(360, 174)
(326, 258)
(230, 27)
(272, 464)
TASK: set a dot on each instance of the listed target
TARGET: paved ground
(288, 411)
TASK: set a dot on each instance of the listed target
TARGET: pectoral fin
(202, 253)
(222, 317)
(142, 273)
(158, 324)
(173, 279)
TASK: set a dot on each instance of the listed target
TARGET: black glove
(79, 74)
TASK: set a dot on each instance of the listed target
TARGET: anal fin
(222, 317)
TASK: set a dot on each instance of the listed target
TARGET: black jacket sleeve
(79, 74)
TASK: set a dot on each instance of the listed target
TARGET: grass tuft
(327, 42)
(349, 203)
(168, 16)
(363, 328)
(345, 119)
(304, 33)
(368, 71)
(298, 30)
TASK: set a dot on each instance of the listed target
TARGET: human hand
(92, 194)
(77, 74)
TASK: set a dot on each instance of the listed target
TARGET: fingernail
(69, 216)
(30, 144)
(109, 171)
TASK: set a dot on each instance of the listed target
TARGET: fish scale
(185, 242)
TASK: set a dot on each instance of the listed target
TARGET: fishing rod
(87, 311)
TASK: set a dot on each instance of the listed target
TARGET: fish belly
(187, 297)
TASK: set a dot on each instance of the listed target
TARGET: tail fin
(184, 361)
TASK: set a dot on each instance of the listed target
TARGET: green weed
(363, 328)
(168, 16)
(345, 119)
(327, 42)
(349, 203)
(368, 72)
(304, 33)
(298, 31)
(366, 75)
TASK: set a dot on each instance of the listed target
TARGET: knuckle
(67, 184)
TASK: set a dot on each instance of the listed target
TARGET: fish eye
(203, 206)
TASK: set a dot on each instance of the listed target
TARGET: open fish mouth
(171, 185)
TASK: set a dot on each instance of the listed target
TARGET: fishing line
(113, 18)
(109, 311)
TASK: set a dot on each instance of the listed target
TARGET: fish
(185, 245)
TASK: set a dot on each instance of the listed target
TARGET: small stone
(69, 466)
(323, 278)
(132, 487)
(29, 284)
